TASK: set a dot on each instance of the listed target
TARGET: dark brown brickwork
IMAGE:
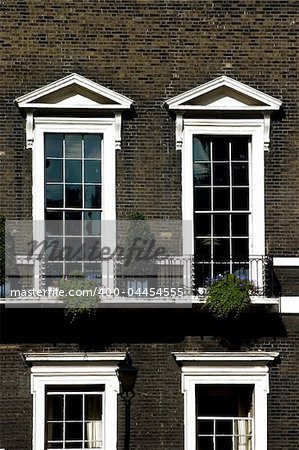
(151, 50)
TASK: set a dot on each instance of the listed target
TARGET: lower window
(224, 417)
(74, 417)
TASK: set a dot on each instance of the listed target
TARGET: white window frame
(71, 369)
(222, 368)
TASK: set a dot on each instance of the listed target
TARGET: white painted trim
(291, 261)
(64, 357)
(80, 372)
(289, 305)
(251, 127)
(25, 101)
(225, 368)
(270, 102)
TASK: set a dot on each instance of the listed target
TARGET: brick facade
(151, 50)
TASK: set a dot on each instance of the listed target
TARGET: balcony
(168, 280)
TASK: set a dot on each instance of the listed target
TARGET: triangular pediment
(74, 92)
(223, 93)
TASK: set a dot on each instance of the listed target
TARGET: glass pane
(240, 174)
(240, 250)
(73, 407)
(93, 271)
(241, 199)
(240, 148)
(93, 196)
(220, 269)
(73, 431)
(202, 224)
(239, 225)
(221, 224)
(73, 223)
(202, 199)
(92, 248)
(53, 145)
(54, 195)
(205, 426)
(73, 249)
(93, 444)
(92, 171)
(73, 444)
(54, 169)
(54, 407)
(202, 274)
(55, 445)
(205, 443)
(93, 407)
(53, 223)
(241, 271)
(221, 173)
(53, 249)
(221, 249)
(224, 443)
(73, 144)
(221, 199)
(201, 148)
(202, 174)
(203, 249)
(54, 431)
(70, 268)
(54, 270)
(224, 427)
(73, 171)
(92, 223)
(220, 149)
(73, 196)
(92, 145)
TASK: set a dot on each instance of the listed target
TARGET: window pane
(53, 145)
(203, 249)
(221, 224)
(92, 196)
(224, 443)
(202, 199)
(240, 174)
(54, 195)
(202, 174)
(241, 271)
(201, 148)
(54, 250)
(73, 196)
(73, 407)
(221, 173)
(92, 171)
(74, 431)
(205, 426)
(92, 145)
(240, 250)
(73, 224)
(53, 223)
(92, 248)
(54, 431)
(221, 199)
(221, 249)
(220, 269)
(54, 169)
(73, 171)
(73, 249)
(92, 224)
(241, 199)
(224, 427)
(220, 149)
(54, 407)
(202, 273)
(73, 444)
(73, 144)
(93, 407)
(240, 225)
(240, 147)
(205, 443)
(73, 267)
(202, 224)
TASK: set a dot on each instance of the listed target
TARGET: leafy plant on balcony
(80, 294)
(228, 296)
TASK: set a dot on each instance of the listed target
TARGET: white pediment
(223, 93)
(74, 92)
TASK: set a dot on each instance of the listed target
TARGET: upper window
(222, 128)
(74, 170)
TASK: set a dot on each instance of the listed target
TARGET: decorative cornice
(225, 358)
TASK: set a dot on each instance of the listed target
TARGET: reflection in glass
(54, 170)
(92, 196)
(73, 196)
(54, 195)
(92, 223)
(201, 148)
(73, 145)
(73, 224)
(53, 145)
(92, 145)
(92, 171)
(73, 171)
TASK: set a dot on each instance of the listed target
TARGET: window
(74, 400)
(223, 130)
(73, 127)
(225, 396)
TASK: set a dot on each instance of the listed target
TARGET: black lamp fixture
(127, 375)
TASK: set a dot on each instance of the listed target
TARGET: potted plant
(228, 296)
(81, 294)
